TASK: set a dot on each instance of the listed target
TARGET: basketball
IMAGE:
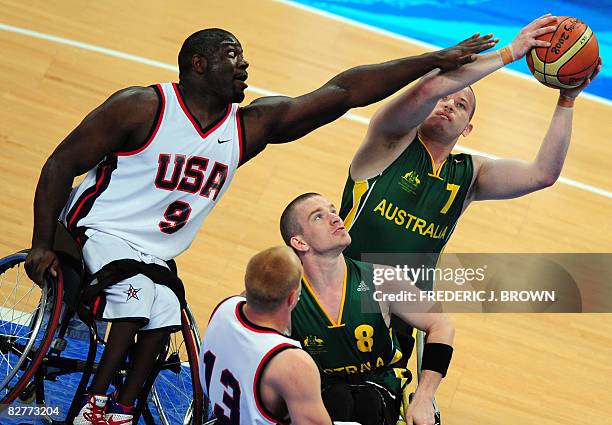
(571, 57)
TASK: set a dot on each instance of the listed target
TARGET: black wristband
(437, 357)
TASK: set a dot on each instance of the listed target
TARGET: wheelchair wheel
(29, 315)
(176, 394)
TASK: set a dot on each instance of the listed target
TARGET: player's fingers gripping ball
(572, 56)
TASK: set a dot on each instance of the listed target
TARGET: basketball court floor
(61, 59)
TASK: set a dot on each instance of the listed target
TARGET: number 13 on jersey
(230, 399)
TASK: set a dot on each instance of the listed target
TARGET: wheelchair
(43, 354)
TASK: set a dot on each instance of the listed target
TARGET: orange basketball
(573, 54)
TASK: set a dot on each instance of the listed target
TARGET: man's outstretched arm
(280, 119)
(510, 178)
(392, 127)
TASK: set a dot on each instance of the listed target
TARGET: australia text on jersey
(361, 368)
(410, 222)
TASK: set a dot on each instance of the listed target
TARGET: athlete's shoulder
(138, 94)
(290, 363)
(407, 154)
(134, 102)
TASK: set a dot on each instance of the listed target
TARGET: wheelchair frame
(46, 362)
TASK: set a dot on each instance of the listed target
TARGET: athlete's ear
(298, 243)
(293, 298)
(467, 130)
(199, 63)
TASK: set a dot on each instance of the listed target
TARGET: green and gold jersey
(410, 207)
(359, 342)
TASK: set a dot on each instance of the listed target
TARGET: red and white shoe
(118, 414)
(93, 410)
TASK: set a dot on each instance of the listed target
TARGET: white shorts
(137, 297)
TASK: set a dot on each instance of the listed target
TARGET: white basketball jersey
(233, 355)
(157, 197)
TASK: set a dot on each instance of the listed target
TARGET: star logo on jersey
(410, 182)
(132, 293)
(362, 287)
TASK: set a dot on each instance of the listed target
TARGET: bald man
(251, 371)
(406, 190)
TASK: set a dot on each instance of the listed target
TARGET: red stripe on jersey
(252, 326)
(157, 125)
(240, 141)
(105, 168)
(192, 118)
(264, 361)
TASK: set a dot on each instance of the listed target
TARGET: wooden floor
(508, 369)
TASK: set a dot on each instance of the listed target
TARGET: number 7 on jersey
(454, 189)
